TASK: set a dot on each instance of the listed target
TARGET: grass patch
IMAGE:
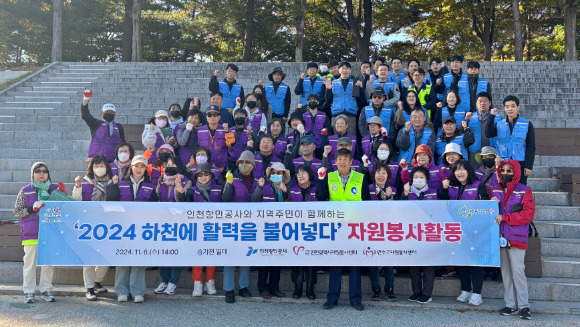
(9, 82)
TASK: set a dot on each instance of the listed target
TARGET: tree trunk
(361, 42)
(301, 6)
(128, 31)
(136, 39)
(57, 30)
(518, 40)
(570, 31)
(249, 31)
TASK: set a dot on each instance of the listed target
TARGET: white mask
(200, 160)
(100, 171)
(419, 183)
(160, 123)
(382, 154)
(323, 68)
(123, 156)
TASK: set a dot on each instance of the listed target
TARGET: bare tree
(518, 36)
(56, 30)
(136, 43)
(249, 31)
(301, 9)
(570, 31)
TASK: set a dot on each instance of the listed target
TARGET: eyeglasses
(213, 114)
(204, 175)
(41, 171)
(506, 171)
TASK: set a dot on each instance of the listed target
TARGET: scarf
(167, 131)
(122, 167)
(418, 192)
(169, 180)
(100, 188)
(173, 124)
(42, 189)
(203, 189)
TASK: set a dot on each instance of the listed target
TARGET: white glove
(403, 163)
(37, 205)
(189, 126)
(300, 128)
(263, 129)
(383, 131)
(321, 173)
(365, 160)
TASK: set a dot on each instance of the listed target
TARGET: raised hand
(250, 143)
(327, 150)
(464, 124)
(468, 116)
(37, 205)
(359, 84)
(389, 192)
(283, 187)
(78, 181)
(115, 179)
(229, 177)
(216, 73)
(324, 131)
(494, 111)
(365, 160)
(321, 173)
(407, 126)
(445, 183)
(261, 182)
(383, 131)
(302, 76)
(403, 163)
(226, 126)
(406, 189)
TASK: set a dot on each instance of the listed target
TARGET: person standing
(105, 134)
(229, 87)
(278, 94)
(415, 134)
(216, 137)
(377, 108)
(339, 93)
(476, 84)
(309, 84)
(478, 122)
(457, 80)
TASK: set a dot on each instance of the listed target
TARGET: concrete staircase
(40, 120)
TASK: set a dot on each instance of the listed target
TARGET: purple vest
(155, 175)
(101, 143)
(241, 144)
(445, 170)
(216, 172)
(215, 193)
(393, 166)
(166, 195)
(366, 144)
(143, 195)
(241, 193)
(492, 180)
(268, 194)
(87, 190)
(29, 224)
(510, 232)
(434, 178)
(431, 194)
(259, 171)
(185, 151)
(217, 145)
(333, 141)
(356, 166)
(316, 126)
(256, 121)
(469, 193)
(280, 146)
(296, 194)
(315, 165)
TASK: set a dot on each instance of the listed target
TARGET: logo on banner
(52, 215)
(369, 253)
(251, 251)
(297, 249)
(467, 212)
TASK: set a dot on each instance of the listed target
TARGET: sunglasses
(506, 171)
(41, 171)
(377, 97)
(213, 114)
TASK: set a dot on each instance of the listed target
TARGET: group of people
(390, 135)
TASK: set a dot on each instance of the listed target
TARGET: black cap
(276, 70)
(449, 119)
(324, 60)
(213, 108)
(297, 114)
(378, 91)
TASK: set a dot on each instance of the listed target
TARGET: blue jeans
(130, 280)
(389, 274)
(229, 275)
(354, 284)
(170, 274)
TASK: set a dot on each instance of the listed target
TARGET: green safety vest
(422, 93)
(352, 191)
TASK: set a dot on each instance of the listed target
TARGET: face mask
(419, 183)
(123, 156)
(160, 123)
(313, 104)
(323, 68)
(489, 162)
(245, 169)
(100, 171)
(240, 121)
(276, 179)
(259, 96)
(164, 156)
(382, 154)
(109, 117)
(200, 160)
(252, 104)
(171, 171)
(507, 178)
(175, 114)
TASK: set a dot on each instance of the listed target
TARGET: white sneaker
(47, 296)
(170, 289)
(209, 287)
(29, 297)
(139, 299)
(475, 299)
(160, 288)
(197, 289)
(122, 298)
(464, 296)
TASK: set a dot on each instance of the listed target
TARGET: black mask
(175, 114)
(240, 121)
(195, 108)
(507, 178)
(313, 104)
(252, 104)
(259, 96)
(171, 171)
(109, 117)
(488, 162)
(164, 156)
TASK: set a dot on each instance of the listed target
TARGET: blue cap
(307, 138)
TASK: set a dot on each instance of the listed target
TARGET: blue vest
(462, 89)
(475, 126)
(391, 77)
(308, 89)
(389, 86)
(512, 145)
(408, 116)
(343, 100)
(276, 99)
(408, 154)
(385, 115)
(482, 85)
(433, 83)
(230, 96)
(440, 148)
(459, 115)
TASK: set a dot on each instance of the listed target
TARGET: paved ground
(178, 311)
(10, 74)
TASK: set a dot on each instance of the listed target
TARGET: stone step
(558, 229)
(23, 176)
(11, 188)
(544, 184)
(561, 267)
(552, 198)
(560, 247)
(557, 213)
(541, 172)
(547, 289)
